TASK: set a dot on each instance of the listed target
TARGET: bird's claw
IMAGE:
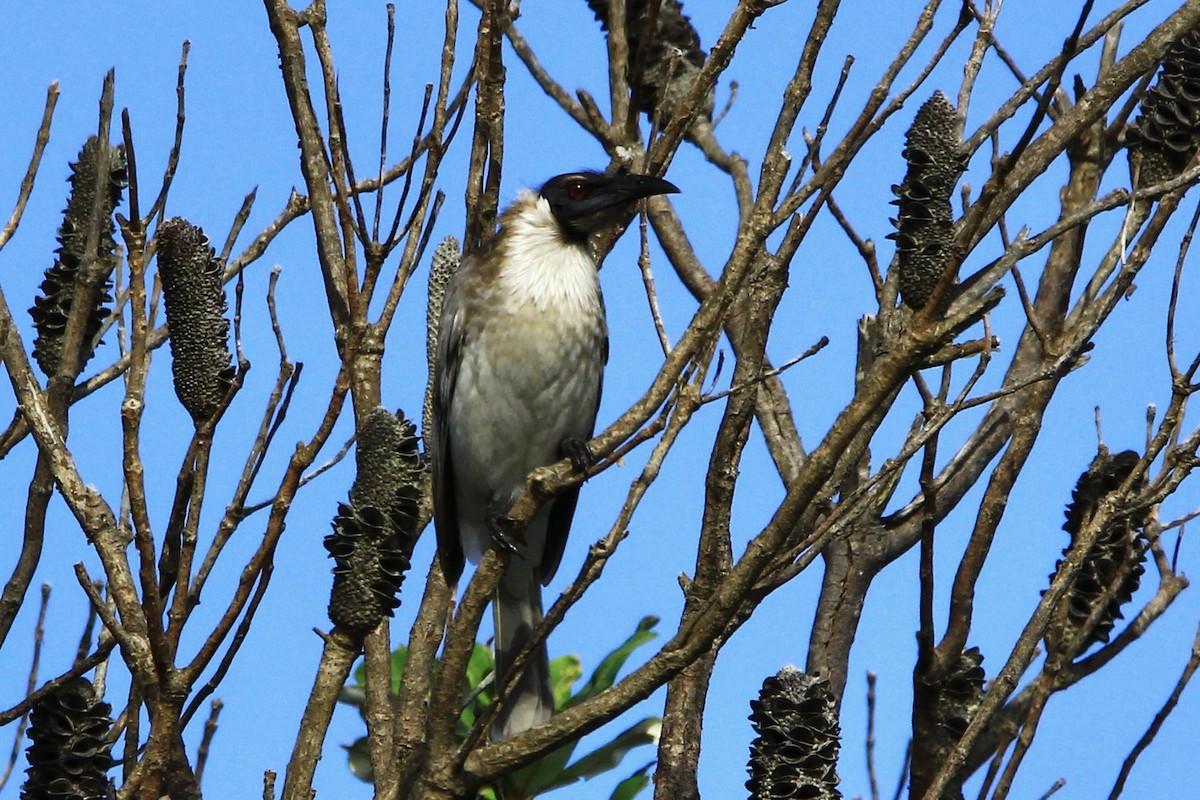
(498, 526)
(578, 451)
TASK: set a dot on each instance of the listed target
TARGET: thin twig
(1054, 787)
(239, 222)
(1189, 669)
(385, 115)
(813, 142)
(160, 202)
(210, 730)
(39, 633)
(35, 161)
(1176, 281)
(871, 777)
(79, 668)
(85, 638)
(648, 283)
(227, 660)
(820, 345)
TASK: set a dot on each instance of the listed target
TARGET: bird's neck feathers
(541, 264)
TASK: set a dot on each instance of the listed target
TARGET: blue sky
(239, 135)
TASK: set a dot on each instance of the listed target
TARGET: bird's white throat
(544, 267)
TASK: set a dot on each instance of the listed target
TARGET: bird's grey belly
(516, 398)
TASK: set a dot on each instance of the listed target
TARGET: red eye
(577, 190)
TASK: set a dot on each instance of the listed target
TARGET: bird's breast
(537, 334)
(529, 377)
(527, 363)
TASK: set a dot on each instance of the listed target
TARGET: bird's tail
(518, 611)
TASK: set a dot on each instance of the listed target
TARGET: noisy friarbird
(522, 345)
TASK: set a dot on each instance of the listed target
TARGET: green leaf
(540, 776)
(564, 672)
(358, 755)
(479, 669)
(608, 757)
(606, 674)
(550, 771)
(632, 786)
(480, 666)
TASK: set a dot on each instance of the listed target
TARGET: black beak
(630, 188)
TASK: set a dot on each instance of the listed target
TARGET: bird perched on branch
(522, 343)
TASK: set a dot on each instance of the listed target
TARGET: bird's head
(584, 203)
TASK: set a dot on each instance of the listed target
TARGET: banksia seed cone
(1115, 559)
(925, 223)
(373, 535)
(194, 296)
(673, 56)
(954, 698)
(68, 755)
(960, 693)
(796, 751)
(52, 307)
(445, 262)
(1166, 134)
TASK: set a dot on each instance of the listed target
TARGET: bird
(521, 350)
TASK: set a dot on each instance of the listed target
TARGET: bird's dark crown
(586, 202)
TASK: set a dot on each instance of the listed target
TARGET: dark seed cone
(1166, 133)
(673, 56)
(194, 296)
(925, 223)
(446, 257)
(68, 755)
(961, 693)
(796, 751)
(52, 307)
(1115, 560)
(954, 699)
(373, 535)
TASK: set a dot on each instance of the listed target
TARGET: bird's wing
(562, 510)
(449, 347)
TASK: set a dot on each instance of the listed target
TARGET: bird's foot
(500, 527)
(578, 451)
